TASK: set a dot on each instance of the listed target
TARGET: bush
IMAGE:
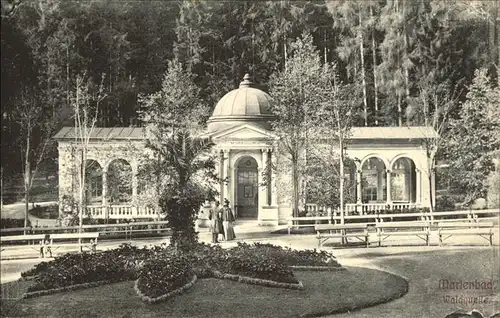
(164, 274)
(45, 212)
(205, 258)
(445, 203)
(12, 223)
(161, 270)
(244, 263)
(115, 265)
(291, 257)
(493, 197)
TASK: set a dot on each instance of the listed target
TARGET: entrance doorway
(247, 188)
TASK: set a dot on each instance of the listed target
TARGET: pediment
(244, 132)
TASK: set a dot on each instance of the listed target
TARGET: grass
(325, 292)
(424, 269)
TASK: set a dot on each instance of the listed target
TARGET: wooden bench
(29, 238)
(91, 238)
(306, 218)
(342, 231)
(483, 229)
(421, 229)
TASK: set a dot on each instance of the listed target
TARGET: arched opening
(247, 188)
(403, 176)
(93, 182)
(374, 181)
(119, 181)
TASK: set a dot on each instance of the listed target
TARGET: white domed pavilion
(245, 104)
(390, 162)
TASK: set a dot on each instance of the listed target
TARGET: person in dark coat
(216, 222)
(228, 221)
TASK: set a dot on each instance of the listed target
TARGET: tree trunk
(27, 170)
(82, 189)
(26, 192)
(1, 188)
(363, 74)
(67, 76)
(374, 57)
(341, 178)
(295, 181)
(400, 112)
(407, 72)
(430, 167)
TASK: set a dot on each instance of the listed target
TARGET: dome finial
(247, 81)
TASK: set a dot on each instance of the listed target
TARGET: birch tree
(336, 118)
(85, 101)
(36, 126)
(437, 103)
(297, 92)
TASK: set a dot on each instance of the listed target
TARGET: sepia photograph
(232, 158)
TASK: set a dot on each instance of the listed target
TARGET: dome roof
(245, 104)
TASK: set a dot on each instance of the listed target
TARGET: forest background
(395, 50)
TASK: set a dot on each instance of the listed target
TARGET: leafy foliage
(297, 91)
(163, 269)
(474, 138)
(289, 256)
(164, 274)
(172, 115)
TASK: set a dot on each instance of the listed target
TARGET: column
(274, 194)
(388, 180)
(227, 177)
(135, 185)
(221, 176)
(433, 187)
(262, 190)
(359, 192)
(265, 174)
(105, 192)
(418, 177)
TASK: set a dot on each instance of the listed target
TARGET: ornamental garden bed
(241, 275)
(323, 293)
(163, 271)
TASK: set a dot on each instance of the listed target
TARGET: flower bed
(253, 265)
(162, 272)
(317, 268)
(291, 257)
(74, 269)
(31, 294)
(81, 268)
(163, 275)
(153, 300)
(258, 281)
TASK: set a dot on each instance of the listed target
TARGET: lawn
(324, 292)
(424, 269)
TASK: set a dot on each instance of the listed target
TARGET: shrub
(493, 197)
(13, 223)
(119, 264)
(205, 258)
(241, 262)
(291, 257)
(445, 203)
(164, 274)
(161, 270)
(45, 212)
